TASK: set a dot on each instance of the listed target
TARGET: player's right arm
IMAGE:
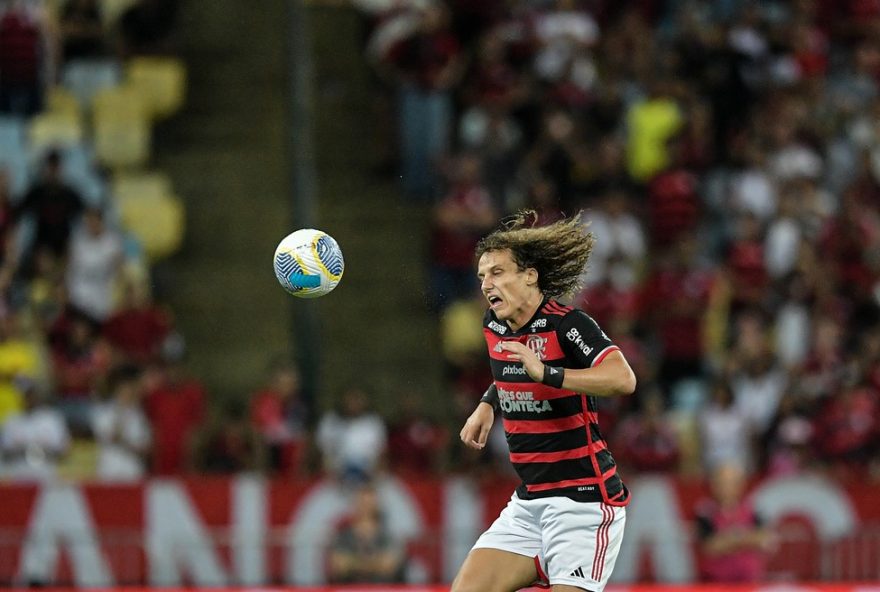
(476, 428)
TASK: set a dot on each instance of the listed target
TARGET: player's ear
(531, 276)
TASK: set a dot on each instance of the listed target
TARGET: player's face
(508, 289)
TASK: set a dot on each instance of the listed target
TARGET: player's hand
(476, 429)
(521, 353)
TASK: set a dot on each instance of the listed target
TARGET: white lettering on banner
(654, 523)
(574, 336)
(61, 513)
(519, 370)
(463, 521)
(314, 520)
(497, 327)
(512, 401)
(176, 538)
(249, 520)
(822, 501)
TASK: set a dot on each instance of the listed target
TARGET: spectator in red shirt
(675, 301)
(279, 415)
(80, 361)
(140, 326)
(645, 441)
(847, 428)
(460, 219)
(416, 442)
(673, 204)
(23, 59)
(175, 405)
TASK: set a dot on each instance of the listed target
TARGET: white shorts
(573, 543)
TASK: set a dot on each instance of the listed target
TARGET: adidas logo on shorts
(578, 573)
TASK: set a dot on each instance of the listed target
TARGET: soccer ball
(308, 263)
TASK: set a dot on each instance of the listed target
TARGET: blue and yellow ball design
(308, 263)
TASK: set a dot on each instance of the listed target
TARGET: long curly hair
(558, 251)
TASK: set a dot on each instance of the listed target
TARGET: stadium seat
(111, 10)
(49, 130)
(156, 220)
(141, 186)
(122, 131)
(63, 101)
(161, 81)
(85, 78)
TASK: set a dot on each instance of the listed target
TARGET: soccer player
(564, 524)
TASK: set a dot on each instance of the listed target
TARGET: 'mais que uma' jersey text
(553, 434)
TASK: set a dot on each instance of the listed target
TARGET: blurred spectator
(363, 550)
(80, 361)
(20, 356)
(352, 440)
(674, 205)
(34, 440)
(416, 442)
(725, 431)
(786, 444)
(757, 381)
(93, 265)
(175, 405)
(82, 29)
(228, 443)
(847, 427)
(644, 441)
(464, 214)
(8, 251)
(651, 123)
(146, 26)
(619, 249)
(675, 301)
(26, 52)
(733, 540)
(278, 414)
(138, 327)
(54, 206)
(121, 429)
(425, 65)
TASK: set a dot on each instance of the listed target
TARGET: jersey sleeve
(583, 340)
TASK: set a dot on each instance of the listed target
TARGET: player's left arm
(601, 368)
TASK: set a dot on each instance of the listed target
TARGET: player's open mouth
(494, 301)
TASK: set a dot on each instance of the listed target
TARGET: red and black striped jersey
(553, 434)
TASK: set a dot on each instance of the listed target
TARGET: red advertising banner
(246, 531)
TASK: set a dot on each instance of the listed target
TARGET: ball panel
(308, 263)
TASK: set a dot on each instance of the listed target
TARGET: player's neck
(525, 312)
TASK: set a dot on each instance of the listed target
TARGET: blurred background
(170, 416)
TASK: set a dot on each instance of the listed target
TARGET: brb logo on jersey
(537, 344)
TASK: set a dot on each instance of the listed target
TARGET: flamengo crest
(537, 345)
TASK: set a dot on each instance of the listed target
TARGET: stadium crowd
(726, 157)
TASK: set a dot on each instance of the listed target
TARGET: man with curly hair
(564, 524)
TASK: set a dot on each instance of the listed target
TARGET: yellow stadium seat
(61, 100)
(111, 10)
(121, 129)
(50, 130)
(158, 221)
(141, 186)
(160, 81)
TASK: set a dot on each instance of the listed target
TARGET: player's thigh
(581, 543)
(494, 570)
(566, 588)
